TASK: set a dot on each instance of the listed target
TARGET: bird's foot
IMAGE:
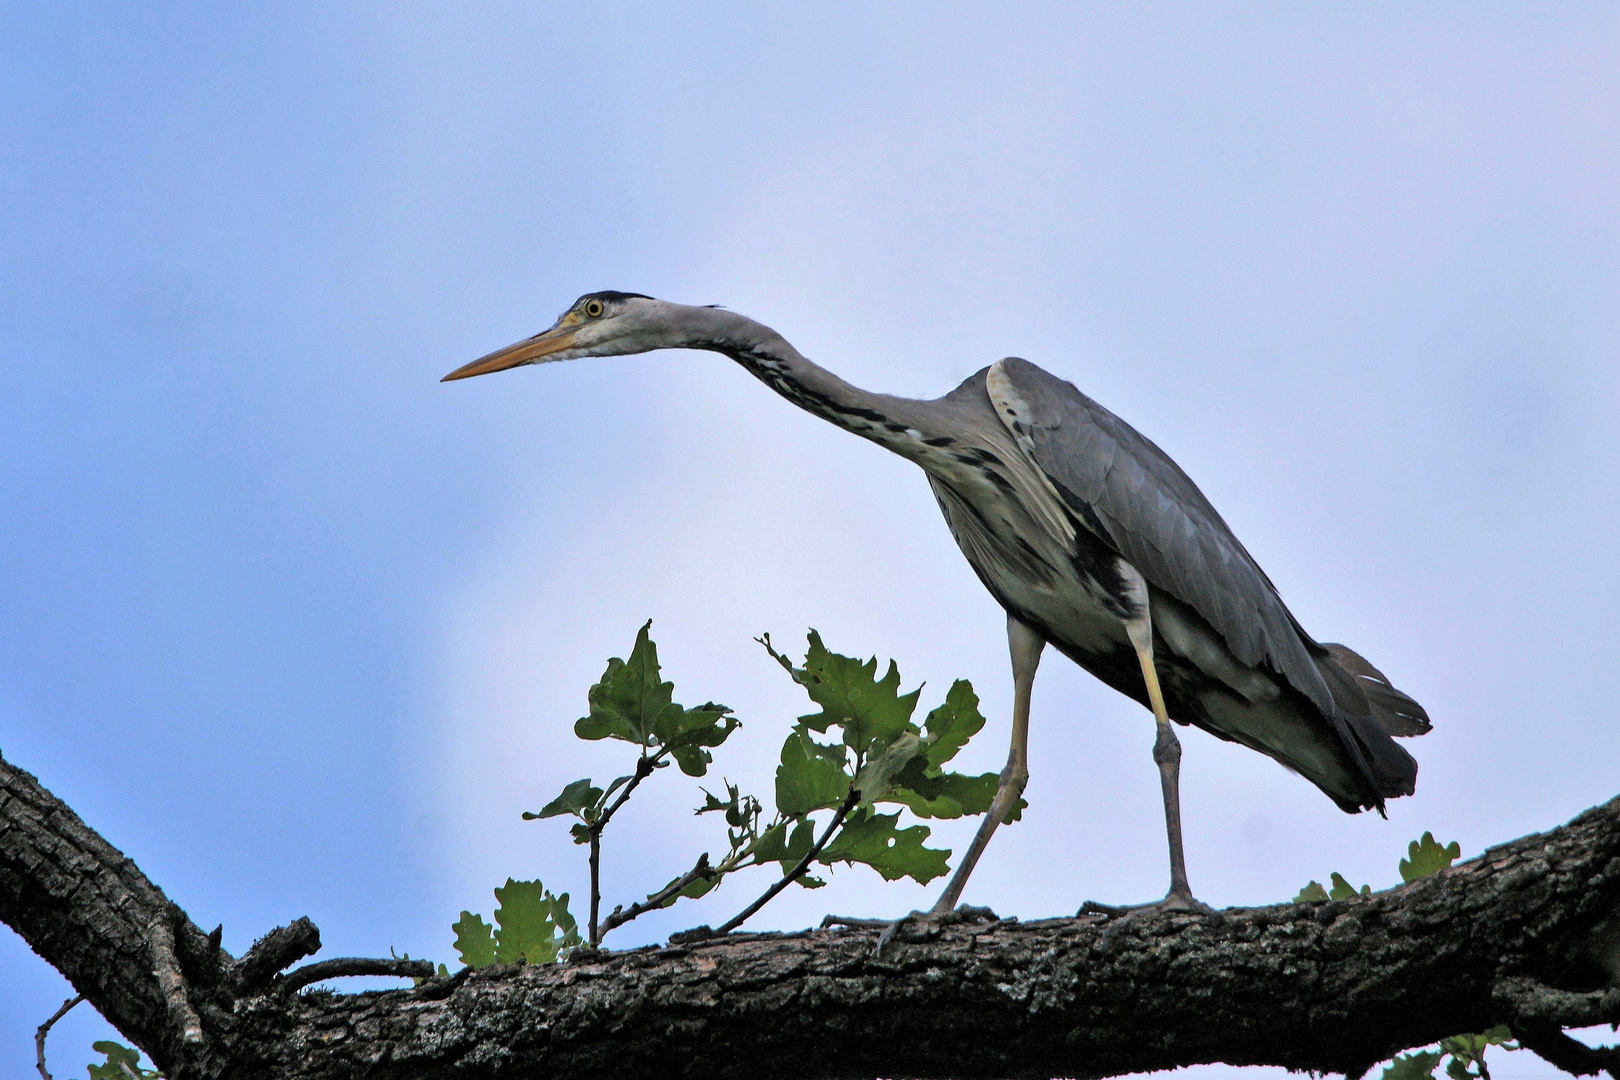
(921, 924)
(1175, 900)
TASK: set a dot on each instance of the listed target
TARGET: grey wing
(1128, 490)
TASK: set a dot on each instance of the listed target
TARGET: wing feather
(1154, 515)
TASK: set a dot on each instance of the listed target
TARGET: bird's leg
(1025, 646)
(1167, 754)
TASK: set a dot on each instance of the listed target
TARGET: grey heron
(1094, 541)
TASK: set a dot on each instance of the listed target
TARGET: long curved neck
(767, 355)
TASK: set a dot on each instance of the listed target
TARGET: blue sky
(302, 630)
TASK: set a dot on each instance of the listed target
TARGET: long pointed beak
(524, 352)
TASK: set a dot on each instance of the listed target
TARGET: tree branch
(1524, 935)
(349, 966)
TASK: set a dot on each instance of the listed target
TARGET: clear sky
(302, 630)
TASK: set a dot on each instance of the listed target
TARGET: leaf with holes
(1428, 857)
(875, 840)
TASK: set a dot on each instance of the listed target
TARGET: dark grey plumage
(1139, 502)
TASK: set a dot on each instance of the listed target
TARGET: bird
(1094, 542)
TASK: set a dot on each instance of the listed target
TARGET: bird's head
(597, 324)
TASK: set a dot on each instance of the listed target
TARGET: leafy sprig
(632, 703)
(827, 793)
(1464, 1054)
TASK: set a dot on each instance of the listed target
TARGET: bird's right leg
(1025, 646)
(1166, 747)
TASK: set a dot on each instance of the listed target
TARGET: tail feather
(1396, 713)
(1371, 710)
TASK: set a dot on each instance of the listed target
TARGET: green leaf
(685, 731)
(1418, 1066)
(1343, 890)
(527, 931)
(565, 922)
(871, 711)
(1428, 857)
(119, 1055)
(693, 890)
(799, 844)
(615, 786)
(577, 798)
(811, 776)
(627, 702)
(947, 795)
(1471, 1048)
(772, 843)
(475, 940)
(632, 702)
(534, 926)
(950, 726)
(1312, 893)
(873, 839)
(876, 776)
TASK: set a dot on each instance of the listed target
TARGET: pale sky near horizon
(303, 631)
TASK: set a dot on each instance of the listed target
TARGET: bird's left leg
(1025, 646)
(1166, 748)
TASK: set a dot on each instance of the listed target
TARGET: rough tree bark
(1528, 934)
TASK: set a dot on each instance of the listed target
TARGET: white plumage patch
(1013, 410)
(1038, 491)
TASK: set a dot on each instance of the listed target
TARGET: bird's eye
(593, 308)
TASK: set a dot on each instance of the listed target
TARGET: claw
(1174, 901)
(890, 929)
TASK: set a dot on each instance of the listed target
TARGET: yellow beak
(524, 352)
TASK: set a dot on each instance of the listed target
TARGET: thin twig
(793, 875)
(596, 882)
(644, 768)
(343, 966)
(620, 916)
(45, 1029)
